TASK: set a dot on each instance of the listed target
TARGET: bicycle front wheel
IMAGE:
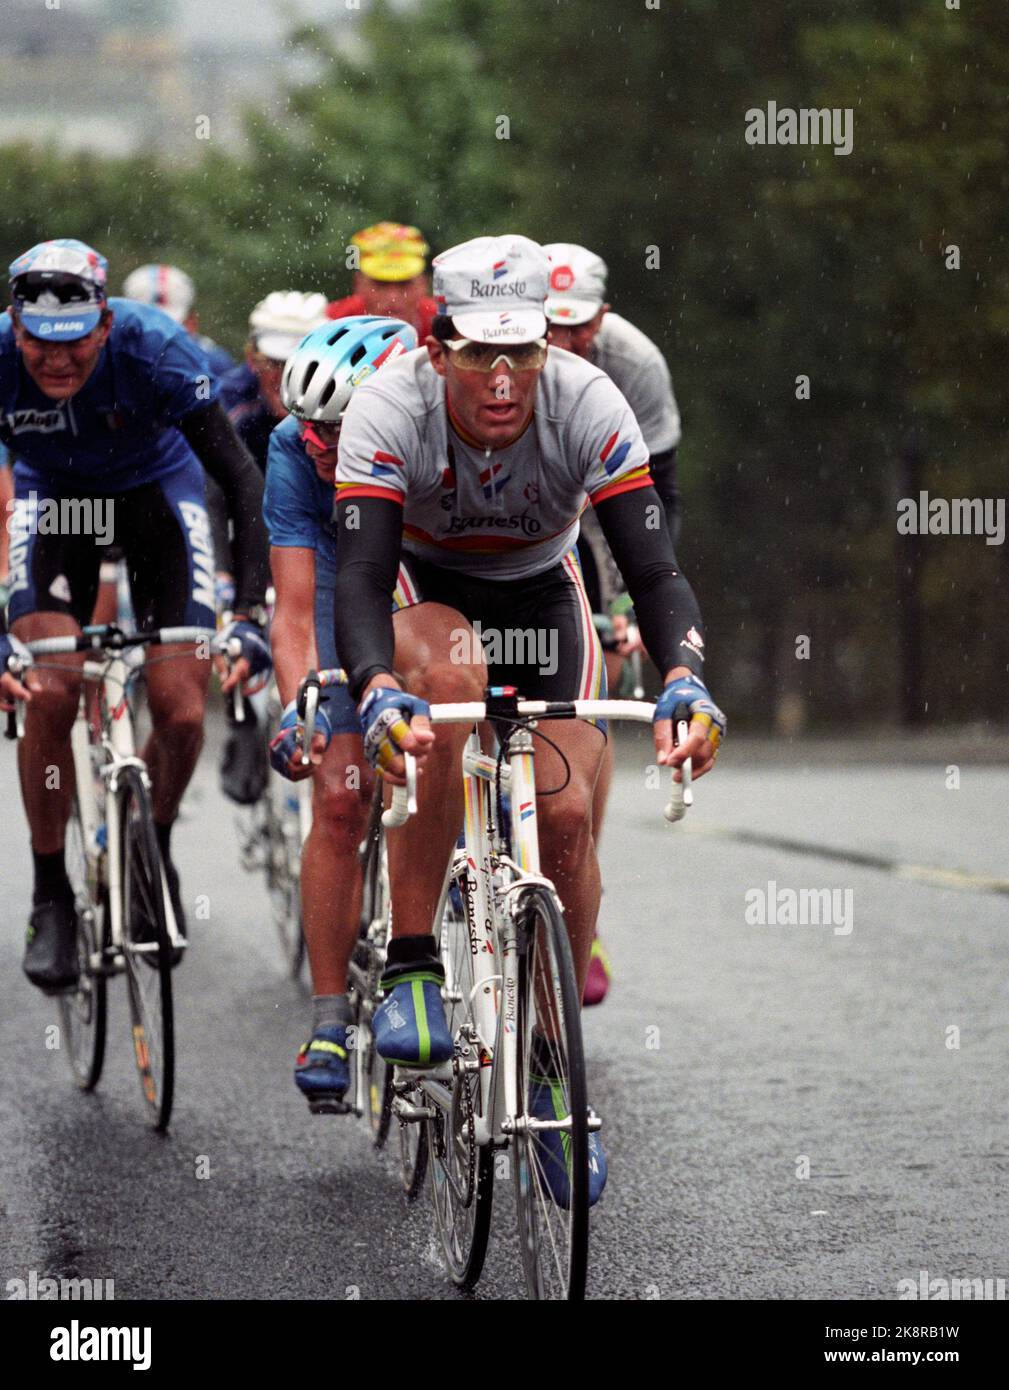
(552, 1140)
(462, 1171)
(147, 949)
(83, 1013)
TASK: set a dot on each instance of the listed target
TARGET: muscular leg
(177, 695)
(419, 851)
(330, 874)
(567, 844)
(45, 762)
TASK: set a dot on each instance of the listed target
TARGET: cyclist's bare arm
(292, 634)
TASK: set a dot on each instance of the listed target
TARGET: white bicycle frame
(491, 908)
(113, 672)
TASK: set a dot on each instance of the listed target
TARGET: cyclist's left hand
(686, 697)
(254, 663)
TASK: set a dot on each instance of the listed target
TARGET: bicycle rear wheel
(551, 1165)
(83, 1013)
(282, 836)
(462, 1171)
(146, 949)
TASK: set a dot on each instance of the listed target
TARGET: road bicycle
(125, 921)
(272, 833)
(513, 1009)
(370, 1090)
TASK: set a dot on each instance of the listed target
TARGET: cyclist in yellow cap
(391, 279)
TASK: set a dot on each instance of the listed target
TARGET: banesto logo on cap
(497, 289)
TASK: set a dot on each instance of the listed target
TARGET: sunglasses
(52, 289)
(484, 357)
(310, 435)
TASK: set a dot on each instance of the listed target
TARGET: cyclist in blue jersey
(110, 409)
(251, 392)
(298, 508)
(171, 289)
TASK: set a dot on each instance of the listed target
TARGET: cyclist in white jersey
(471, 461)
(581, 322)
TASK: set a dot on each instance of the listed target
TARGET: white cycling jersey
(503, 515)
(631, 359)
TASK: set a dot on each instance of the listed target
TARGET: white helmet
(321, 374)
(165, 286)
(279, 322)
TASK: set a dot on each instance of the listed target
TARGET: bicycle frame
(112, 673)
(494, 892)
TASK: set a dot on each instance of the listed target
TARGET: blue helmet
(324, 368)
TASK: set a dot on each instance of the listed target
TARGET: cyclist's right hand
(286, 748)
(11, 688)
(394, 722)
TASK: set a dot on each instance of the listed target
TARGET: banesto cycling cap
(493, 288)
(165, 286)
(58, 289)
(390, 251)
(577, 284)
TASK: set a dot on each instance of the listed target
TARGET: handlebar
(404, 802)
(108, 638)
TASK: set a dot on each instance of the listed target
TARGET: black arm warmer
(663, 470)
(663, 600)
(210, 435)
(217, 510)
(367, 562)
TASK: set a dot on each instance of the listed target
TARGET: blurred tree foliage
(625, 132)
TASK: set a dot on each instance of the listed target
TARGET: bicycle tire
(413, 1157)
(84, 1012)
(144, 926)
(461, 1171)
(553, 1238)
(283, 870)
(366, 972)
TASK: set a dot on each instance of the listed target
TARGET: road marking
(923, 873)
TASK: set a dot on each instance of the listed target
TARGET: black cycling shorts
(537, 633)
(58, 543)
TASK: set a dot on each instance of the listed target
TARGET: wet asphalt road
(729, 1057)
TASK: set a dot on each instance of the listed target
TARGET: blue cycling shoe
(322, 1071)
(548, 1101)
(409, 1026)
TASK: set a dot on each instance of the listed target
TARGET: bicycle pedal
(405, 1078)
(329, 1105)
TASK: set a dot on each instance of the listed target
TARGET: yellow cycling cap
(390, 251)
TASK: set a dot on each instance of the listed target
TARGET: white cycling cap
(493, 288)
(165, 286)
(577, 284)
(279, 322)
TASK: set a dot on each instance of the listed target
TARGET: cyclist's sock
(331, 1011)
(408, 954)
(51, 882)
